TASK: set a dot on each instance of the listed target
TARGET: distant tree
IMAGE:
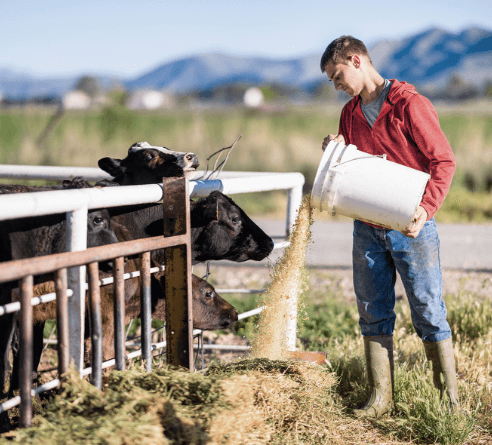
(276, 91)
(89, 85)
(118, 96)
(323, 90)
(458, 89)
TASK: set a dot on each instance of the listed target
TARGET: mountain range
(427, 59)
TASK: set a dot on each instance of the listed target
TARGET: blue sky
(128, 38)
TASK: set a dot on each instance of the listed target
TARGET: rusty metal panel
(26, 356)
(146, 311)
(179, 317)
(62, 322)
(96, 324)
(119, 313)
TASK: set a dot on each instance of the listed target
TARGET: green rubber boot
(380, 375)
(440, 354)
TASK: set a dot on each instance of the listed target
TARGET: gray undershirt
(371, 110)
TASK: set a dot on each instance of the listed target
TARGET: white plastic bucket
(366, 187)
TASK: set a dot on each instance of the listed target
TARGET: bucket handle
(383, 156)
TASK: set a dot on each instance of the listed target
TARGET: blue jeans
(377, 254)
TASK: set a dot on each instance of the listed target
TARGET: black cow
(148, 164)
(32, 237)
(220, 229)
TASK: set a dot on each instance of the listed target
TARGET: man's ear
(356, 61)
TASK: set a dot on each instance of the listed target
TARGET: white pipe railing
(62, 201)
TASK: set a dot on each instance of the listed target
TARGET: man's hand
(418, 222)
(332, 137)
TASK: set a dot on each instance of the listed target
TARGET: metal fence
(70, 282)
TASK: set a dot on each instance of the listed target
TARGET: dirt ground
(339, 279)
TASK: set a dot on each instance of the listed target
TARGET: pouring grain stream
(280, 299)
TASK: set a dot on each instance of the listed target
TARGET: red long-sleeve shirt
(407, 130)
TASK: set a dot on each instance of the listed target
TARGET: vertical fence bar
(293, 204)
(77, 240)
(146, 311)
(62, 321)
(26, 355)
(119, 313)
(179, 313)
(96, 325)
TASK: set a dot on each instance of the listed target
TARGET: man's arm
(426, 132)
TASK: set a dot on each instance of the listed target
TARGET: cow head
(148, 164)
(221, 230)
(99, 230)
(210, 310)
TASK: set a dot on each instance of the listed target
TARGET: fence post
(77, 240)
(26, 356)
(293, 204)
(62, 322)
(119, 313)
(146, 311)
(179, 316)
(96, 325)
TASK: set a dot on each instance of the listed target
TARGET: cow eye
(209, 295)
(149, 156)
(98, 221)
(236, 220)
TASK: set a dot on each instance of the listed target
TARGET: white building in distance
(76, 100)
(149, 100)
(253, 97)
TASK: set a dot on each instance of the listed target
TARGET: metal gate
(70, 266)
(177, 244)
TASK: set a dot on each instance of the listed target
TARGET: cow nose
(192, 160)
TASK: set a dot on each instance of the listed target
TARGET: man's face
(345, 76)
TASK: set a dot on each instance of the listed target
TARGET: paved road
(463, 246)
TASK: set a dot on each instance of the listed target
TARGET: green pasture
(281, 140)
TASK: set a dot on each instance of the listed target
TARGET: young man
(390, 117)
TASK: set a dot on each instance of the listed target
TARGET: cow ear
(111, 166)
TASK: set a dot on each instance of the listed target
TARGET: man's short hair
(341, 49)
